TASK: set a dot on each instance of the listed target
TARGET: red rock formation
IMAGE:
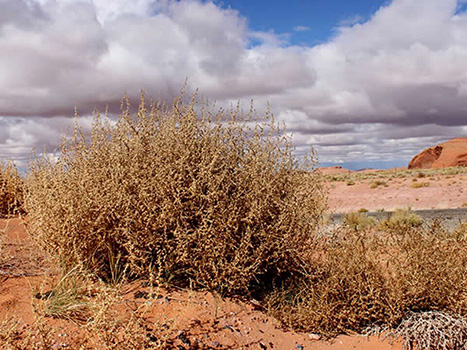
(450, 153)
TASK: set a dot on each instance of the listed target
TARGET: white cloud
(301, 28)
(350, 21)
(404, 69)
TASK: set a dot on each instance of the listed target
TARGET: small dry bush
(377, 183)
(461, 230)
(401, 220)
(432, 330)
(11, 190)
(362, 278)
(15, 335)
(205, 197)
(419, 184)
(359, 220)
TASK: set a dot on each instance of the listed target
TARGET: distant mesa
(446, 154)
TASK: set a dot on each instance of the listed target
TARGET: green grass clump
(186, 194)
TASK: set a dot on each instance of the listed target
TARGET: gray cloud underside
(379, 90)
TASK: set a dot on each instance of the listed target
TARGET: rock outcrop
(446, 154)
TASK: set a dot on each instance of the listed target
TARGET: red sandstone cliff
(450, 153)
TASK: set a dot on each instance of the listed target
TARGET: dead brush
(11, 190)
(181, 192)
(9, 332)
(432, 330)
(344, 290)
(362, 278)
(15, 335)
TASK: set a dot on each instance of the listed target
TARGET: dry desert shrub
(401, 220)
(361, 278)
(359, 220)
(432, 330)
(188, 194)
(11, 190)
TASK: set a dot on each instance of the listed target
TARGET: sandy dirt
(195, 317)
(442, 192)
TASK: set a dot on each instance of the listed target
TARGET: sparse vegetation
(385, 175)
(207, 199)
(366, 278)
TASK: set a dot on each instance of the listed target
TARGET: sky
(367, 83)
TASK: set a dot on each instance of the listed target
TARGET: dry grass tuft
(432, 330)
(11, 190)
(188, 195)
(68, 299)
(419, 184)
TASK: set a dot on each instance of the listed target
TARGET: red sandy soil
(443, 192)
(199, 316)
(446, 154)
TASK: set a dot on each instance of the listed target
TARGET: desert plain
(142, 315)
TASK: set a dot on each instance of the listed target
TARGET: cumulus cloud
(380, 89)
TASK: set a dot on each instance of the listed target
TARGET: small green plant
(350, 182)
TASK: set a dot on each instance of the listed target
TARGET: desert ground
(42, 309)
(387, 190)
(170, 318)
